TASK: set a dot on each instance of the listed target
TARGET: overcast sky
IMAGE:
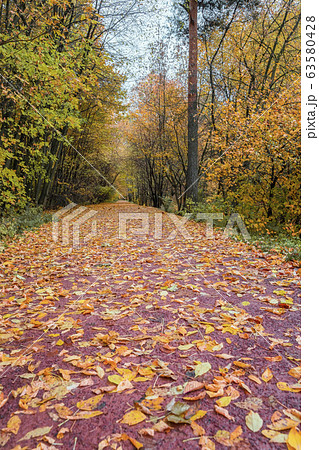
(135, 39)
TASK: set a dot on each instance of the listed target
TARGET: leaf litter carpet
(175, 343)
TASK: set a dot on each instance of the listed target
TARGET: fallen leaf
(100, 372)
(273, 358)
(238, 431)
(253, 421)
(62, 432)
(267, 375)
(84, 415)
(285, 387)
(133, 417)
(202, 368)
(295, 372)
(206, 443)
(294, 439)
(250, 403)
(91, 403)
(63, 411)
(283, 424)
(224, 356)
(275, 436)
(254, 378)
(147, 432)
(116, 379)
(223, 401)
(241, 364)
(37, 432)
(124, 385)
(223, 412)
(293, 414)
(177, 419)
(198, 415)
(13, 424)
(197, 429)
(191, 386)
(161, 426)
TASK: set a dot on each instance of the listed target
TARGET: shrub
(14, 223)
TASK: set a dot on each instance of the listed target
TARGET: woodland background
(66, 110)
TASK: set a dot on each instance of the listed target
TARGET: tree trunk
(192, 154)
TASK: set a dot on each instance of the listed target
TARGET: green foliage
(60, 94)
(288, 246)
(13, 223)
(104, 194)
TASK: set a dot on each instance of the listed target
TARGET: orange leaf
(197, 429)
(267, 375)
(223, 412)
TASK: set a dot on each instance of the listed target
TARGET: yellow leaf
(90, 403)
(59, 342)
(253, 421)
(228, 341)
(267, 375)
(198, 415)
(224, 401)
(185, 346)
(295, 372)
(36, 433)
(202, 368)
(294, 439)
(63, 411)
(245, 303)
(209, 329)
(85, 415)
(13, 424)
(100, 372)
(283, 424)
(285, 387)
(275, 436)
(241, 364)
(116, 379)
(133, 417)
(146, 372)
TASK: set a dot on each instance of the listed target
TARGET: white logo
(65, 216)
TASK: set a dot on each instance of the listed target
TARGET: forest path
(133, 323)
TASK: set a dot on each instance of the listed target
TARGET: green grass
(14, 224)
(288, 246)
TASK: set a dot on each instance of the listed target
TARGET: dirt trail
(134, 323)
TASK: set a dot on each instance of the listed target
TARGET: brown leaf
(147, 432)
(161, 426)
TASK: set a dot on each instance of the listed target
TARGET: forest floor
(149, 341)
